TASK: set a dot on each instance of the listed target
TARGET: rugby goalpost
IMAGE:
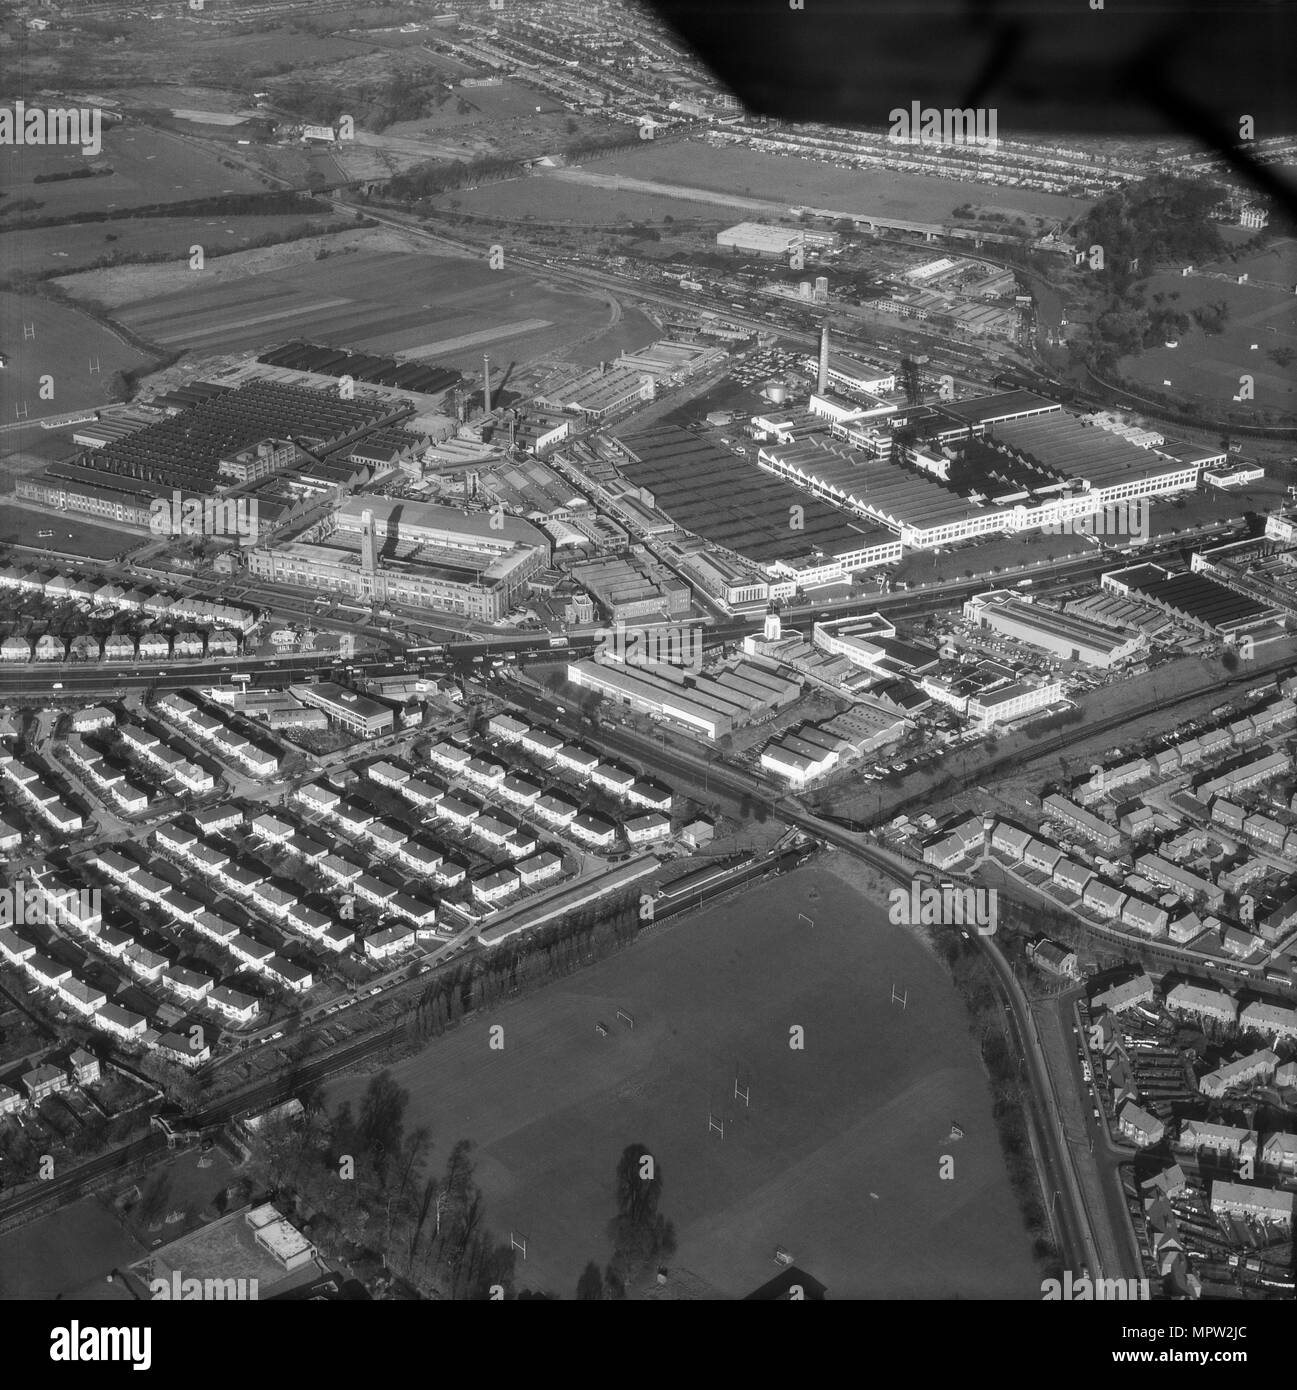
(900, 997)
(518, 1241)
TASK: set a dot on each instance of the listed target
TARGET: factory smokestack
(822, 381)
(368, 543)
(486, 383)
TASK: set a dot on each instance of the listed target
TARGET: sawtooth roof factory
(703, 705)
(207, 438)
(1063, 634)
(746, 511)
(1194, 600)
(1048, 467)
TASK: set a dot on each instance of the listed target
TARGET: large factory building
(381, 550)
(1061, 634)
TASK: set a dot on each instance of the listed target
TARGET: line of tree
(524, 963)
(271, 203)
(1049, 723)
(974, 979)
(59, 175)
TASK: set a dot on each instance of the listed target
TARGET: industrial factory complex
(537, 625)
(555, 507)
(872, 476)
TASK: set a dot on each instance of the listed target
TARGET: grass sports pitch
(835, 1155)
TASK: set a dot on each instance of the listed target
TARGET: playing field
(149, 166)
(804, 182)
(23, 525)
(836, 1158)
(1259, 338)
(574, 199)
(42, 339)
(59, 1253)
(393, 302)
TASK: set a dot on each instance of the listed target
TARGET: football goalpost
(802, 917)
(625, 1016)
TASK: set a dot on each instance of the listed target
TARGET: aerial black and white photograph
(648, 652)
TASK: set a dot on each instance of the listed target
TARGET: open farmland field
(187, 50)
(77, 245)
(444, 132)
(260, 53)
(66, 345)
(836, 1158)
(121, 285)
(508, 101)
(491, 108)
(1262, 312)
(195, 97)
(633, 330)
(798, 182)
(445, 63)
(442, 308)
(148, 167)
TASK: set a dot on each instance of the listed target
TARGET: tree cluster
(642, 1238)
(1153, 221)
(363, 1184)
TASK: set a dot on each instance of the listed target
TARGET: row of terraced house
(183, 911)
(219, 735)
(81, 914)
(530, 868)
(27, 781)
(182, 607)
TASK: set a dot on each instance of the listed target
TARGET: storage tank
(775, 392)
